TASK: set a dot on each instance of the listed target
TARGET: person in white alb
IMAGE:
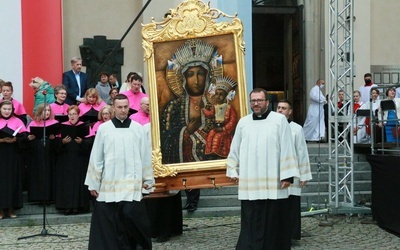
(262, 160)
(365, 90)
(314, 127)
(303, 163)
(116, 178)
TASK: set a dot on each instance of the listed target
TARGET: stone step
(36, 208)
(216, 201)
(223, 201)
(228, 190)
(51, 219)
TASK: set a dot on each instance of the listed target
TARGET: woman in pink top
(19, 110)
(91, 107)
(59, 107)
(12, 136)
(41, 156)
(106, 113)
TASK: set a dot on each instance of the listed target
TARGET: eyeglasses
(74, 114)
(253, 101)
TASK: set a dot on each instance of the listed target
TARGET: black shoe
(67, 212)
(191, 209)
(74, 211)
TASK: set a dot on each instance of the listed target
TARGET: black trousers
(265, 224)
(295, 210)
(119, 225)
(193, 197)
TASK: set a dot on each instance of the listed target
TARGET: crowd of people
(47, 154)
(375, 112)
(86, 144)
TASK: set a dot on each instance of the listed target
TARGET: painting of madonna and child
(197, 92)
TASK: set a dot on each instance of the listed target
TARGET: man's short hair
(367, 74)
(286, 101)
(75, 59)
(120, 97)
(258, 90)
(135, 76)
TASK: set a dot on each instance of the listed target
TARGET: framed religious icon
(197, 93)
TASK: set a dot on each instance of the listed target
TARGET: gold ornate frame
(191, 19)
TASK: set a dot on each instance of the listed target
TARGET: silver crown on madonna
(194, 50)
(224, 83)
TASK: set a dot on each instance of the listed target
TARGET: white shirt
(365, 92)
(303, 161)
(261, 155)
(78, 80)
(314, 125)
(120, 162)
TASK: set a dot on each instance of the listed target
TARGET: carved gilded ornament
(190, 19)
(159, 169)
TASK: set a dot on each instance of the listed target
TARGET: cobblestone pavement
(217, 233)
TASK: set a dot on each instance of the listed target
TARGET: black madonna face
(195, 80)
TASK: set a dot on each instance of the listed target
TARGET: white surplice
(261, 155)
(314, 126)
(120, 162)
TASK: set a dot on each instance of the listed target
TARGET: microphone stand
(44, 231)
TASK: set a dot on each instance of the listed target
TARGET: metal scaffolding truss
(341, 75)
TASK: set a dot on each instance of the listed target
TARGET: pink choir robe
(13, 123)
(85, 108)
(59, 109)
(19, 109)
(140, 117)
(93, 131)
(134, 99)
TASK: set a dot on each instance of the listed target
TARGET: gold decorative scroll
(190, 19)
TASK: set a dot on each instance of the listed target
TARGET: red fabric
(367, 127)
(355, 107)
(41, 44)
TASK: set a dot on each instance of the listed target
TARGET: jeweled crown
(224, 83)
(194, 50)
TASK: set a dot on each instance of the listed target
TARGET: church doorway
(278, 53)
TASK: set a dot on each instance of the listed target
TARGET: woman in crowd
(357, 103)
(71, 194)
(19, 110)
(91, 107)
(363, 123)
(1, 85)
(390, 117)
(106, 113)
(127, 84)
(12, 138)
(41, 159)
(43, 91)
(59, 107)
(113, 93)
